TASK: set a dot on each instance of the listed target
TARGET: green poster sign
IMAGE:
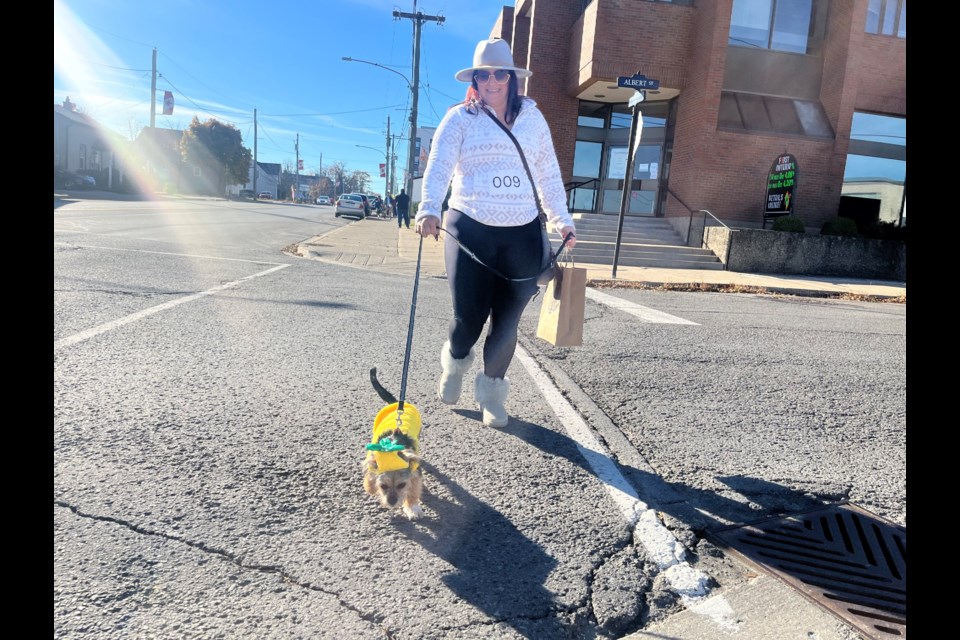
(781, 187)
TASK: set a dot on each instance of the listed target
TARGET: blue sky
(223, 59)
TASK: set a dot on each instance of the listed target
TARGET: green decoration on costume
(386, 445)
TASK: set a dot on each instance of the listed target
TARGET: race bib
(503, 183)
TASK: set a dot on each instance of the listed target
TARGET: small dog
(391, 468)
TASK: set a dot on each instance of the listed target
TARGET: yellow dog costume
(385, 444)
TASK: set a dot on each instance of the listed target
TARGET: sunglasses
(500, 75)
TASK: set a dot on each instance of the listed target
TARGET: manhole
(842, 557)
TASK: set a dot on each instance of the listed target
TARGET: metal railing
(703, 226)
(570, 186)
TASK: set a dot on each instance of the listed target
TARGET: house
(268, 179)
(162, 167)
(82, 145)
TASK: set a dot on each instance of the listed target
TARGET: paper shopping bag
(561, 313)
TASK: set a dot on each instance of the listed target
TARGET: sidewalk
(377, 244)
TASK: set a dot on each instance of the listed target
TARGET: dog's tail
(381, 391)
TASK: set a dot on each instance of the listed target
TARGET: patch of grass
(676, 286)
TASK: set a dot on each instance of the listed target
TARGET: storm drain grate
(842, 557)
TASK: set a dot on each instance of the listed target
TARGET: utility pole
(418, 19)
(386, 182)
(393, 163)
(296, 193)
(255, 192)
(153, 91)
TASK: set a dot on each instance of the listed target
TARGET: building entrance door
(600, 160)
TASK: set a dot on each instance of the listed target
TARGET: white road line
(661, 545)
(113, 324)
(164, 253)
(646, 314)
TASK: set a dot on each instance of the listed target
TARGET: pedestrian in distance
(402, 202)
(492, 213)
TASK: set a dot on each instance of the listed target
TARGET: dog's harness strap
(406, 356)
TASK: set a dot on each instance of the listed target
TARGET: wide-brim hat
(491, 55)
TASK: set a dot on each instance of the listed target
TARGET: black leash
(495, 272)
(406, 356)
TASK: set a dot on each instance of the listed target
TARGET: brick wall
(725, 172)
(685, 48)
(882, 84)
(651, 38)
(548, 49)
(706, 170)
(503, 27)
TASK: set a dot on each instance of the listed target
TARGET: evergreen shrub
(789, 223)
(839, 226)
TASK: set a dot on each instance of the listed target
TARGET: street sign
(638, 82)
(638, 97)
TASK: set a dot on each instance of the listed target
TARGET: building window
(641, 201)
(586, 159)
(654, 116)
(646, 162)
(778, 25)
(196, 172)
(592, 114)
(600, 157)
(876, 166)
(82, 164)
(767, 114)
(583, 199)
(887, 17)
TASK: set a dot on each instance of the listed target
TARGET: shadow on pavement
(686, 504)
(498, 570)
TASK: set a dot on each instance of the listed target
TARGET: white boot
(491, 394)
(451, 380)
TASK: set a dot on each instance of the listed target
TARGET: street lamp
(386, 184)
(413, 119)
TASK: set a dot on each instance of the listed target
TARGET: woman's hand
(428, 226)
(572, 242)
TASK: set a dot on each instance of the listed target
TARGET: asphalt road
(211, 404)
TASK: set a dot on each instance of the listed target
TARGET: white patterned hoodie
(490, 184)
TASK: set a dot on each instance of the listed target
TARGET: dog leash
(474, 257)
(406, 356)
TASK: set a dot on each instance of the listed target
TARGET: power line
(199, 108)
(197, 79)
(337, 113)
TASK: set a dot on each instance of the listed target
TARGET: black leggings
(478, 293)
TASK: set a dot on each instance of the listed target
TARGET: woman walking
(493, 213)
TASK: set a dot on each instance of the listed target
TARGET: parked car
(265, 195)
(351, 205)
(366, 203)
(247, 193)
(323, 200)
(63, 179)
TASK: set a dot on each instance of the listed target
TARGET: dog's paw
(414, 512)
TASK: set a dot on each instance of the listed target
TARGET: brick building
(741, 82)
